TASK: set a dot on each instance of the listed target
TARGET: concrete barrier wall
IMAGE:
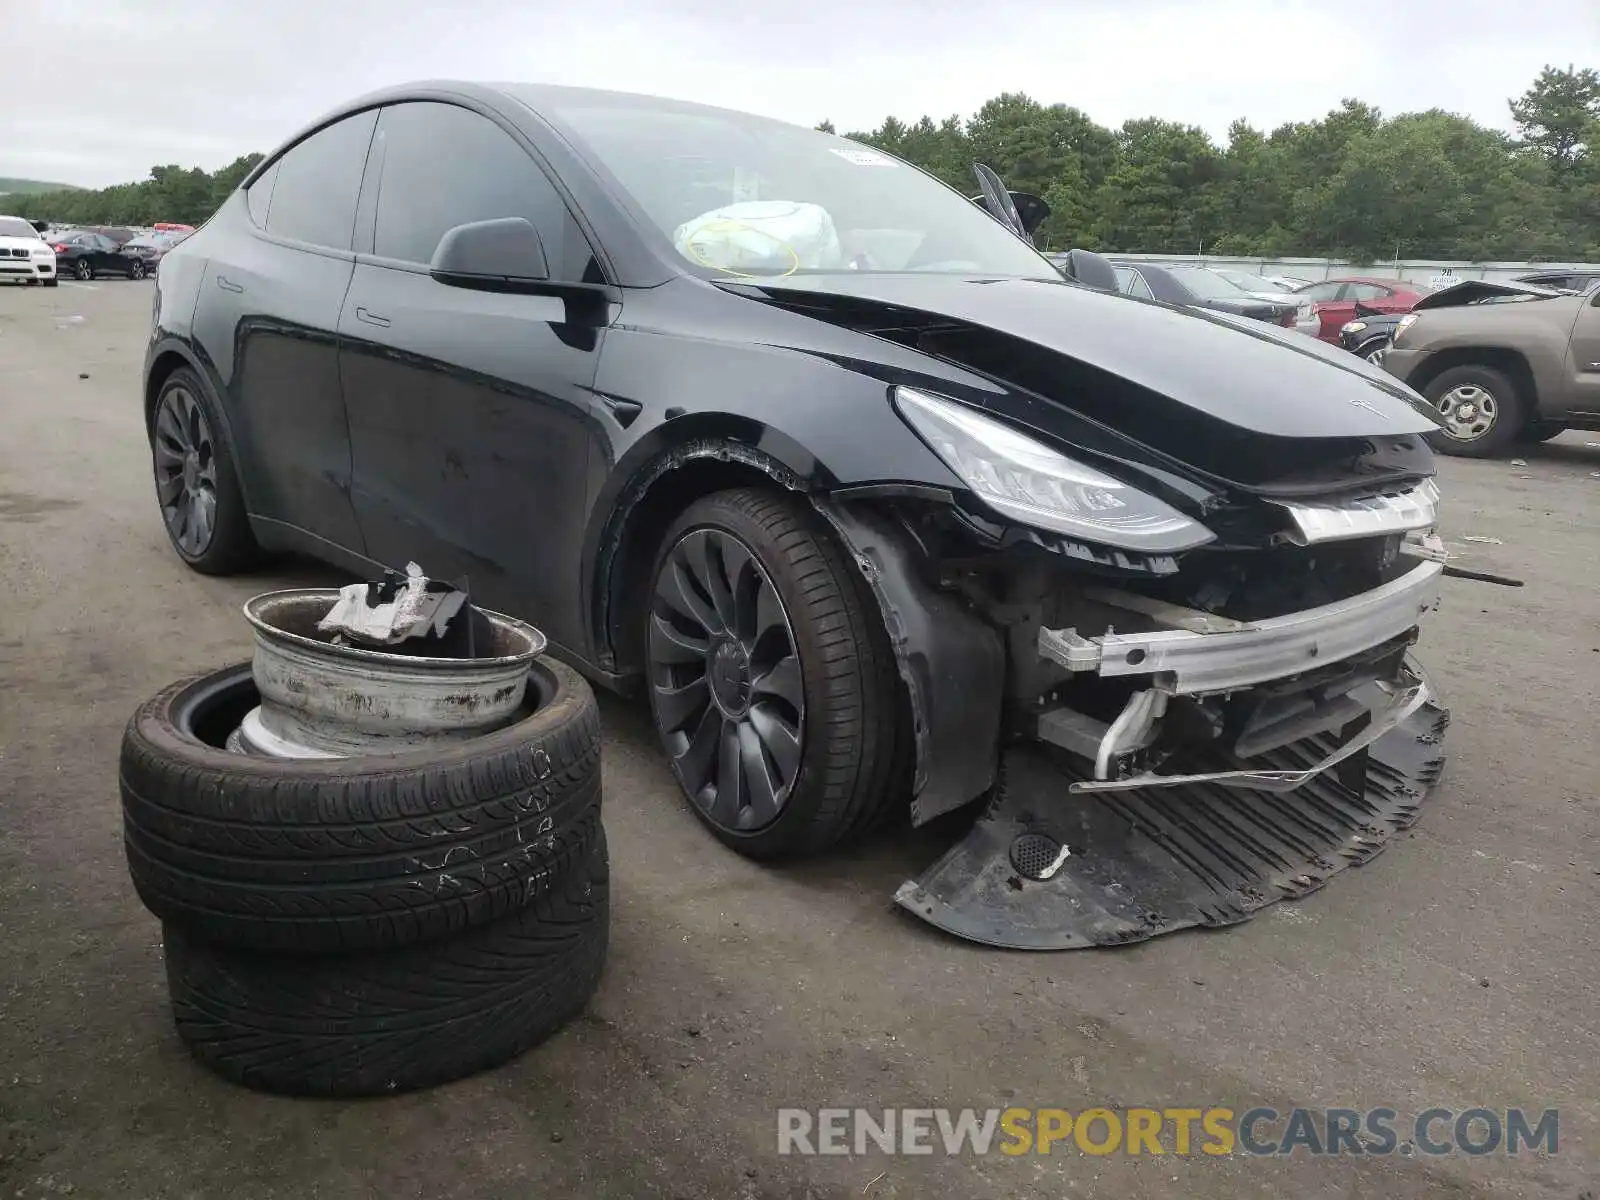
(1418, 270)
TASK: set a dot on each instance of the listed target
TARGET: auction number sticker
(863, 158)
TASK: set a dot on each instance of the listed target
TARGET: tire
(1499, 389)
(391, 1021)
(83, 269)
(51, 282)
(1372, 347)
(851, 753)
(1541, 431)
(136, 270)
(339, 855)
(231, 546)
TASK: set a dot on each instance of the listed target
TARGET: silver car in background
(1305, 318)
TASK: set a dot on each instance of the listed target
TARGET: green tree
(1156, 197)
(1557, 116)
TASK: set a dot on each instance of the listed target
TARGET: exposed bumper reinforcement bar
(1190, 663)
(1401, 704)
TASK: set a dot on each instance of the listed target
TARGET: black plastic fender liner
(952, 663)
(1045, 870)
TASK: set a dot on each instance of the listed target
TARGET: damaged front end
(1166, 739)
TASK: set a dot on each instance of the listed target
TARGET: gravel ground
(1456, 970)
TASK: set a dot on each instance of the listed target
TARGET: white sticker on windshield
(863, 158)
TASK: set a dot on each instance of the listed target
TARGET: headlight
(1352, 327)
(1024, 479)
(1404, 323)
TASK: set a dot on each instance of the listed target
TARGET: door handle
(229, 285)
(371, 318)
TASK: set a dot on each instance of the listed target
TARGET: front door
(471, 420)
(1586, 358)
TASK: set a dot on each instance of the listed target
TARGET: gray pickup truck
(1502, 362)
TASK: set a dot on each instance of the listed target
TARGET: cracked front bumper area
(1043, 869)
(1163, 752)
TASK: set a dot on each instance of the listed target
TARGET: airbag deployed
(765, 237)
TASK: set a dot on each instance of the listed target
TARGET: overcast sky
(96, 91)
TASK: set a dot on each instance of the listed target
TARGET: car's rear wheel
(202, 506)
(1480, 409)
(83, 269)
(771, 678)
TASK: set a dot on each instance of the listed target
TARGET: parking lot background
(1457, 969)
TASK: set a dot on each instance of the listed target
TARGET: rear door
(471, 418)
(1384, 299)
(1324, 299)
(269, 315)
(105, 254)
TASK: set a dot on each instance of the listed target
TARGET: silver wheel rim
(1468, 411)
(186, 471)
(725, 681)
(83, 269)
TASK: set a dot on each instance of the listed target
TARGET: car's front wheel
(83, 269)
(772, 682)
(1480, 410)
(136, 269)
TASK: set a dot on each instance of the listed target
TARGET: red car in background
(1334, 300)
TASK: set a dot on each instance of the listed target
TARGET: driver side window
(1321, 291)
(487, 175)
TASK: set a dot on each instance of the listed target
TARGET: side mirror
(500, 255)
(1088, 268)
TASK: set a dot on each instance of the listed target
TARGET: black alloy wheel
(186, 471)
(772, 682)
(197, 487)
(83, 269)
(136, 269)
(726, 683)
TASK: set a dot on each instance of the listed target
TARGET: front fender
(804, 421)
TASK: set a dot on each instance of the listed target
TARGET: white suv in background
(24, 254)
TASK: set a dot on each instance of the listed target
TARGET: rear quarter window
(259, 195)
(314, 196)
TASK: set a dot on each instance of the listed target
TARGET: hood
(22, 243)
(1487, 291)
(1245, 374)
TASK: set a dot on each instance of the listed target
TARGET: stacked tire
(362, 926)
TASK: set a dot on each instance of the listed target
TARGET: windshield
(17, 227)
(1207, 284)
(743, 196)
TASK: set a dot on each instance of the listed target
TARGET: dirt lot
(1459, 969)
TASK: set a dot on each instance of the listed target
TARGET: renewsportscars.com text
(1152, 1131)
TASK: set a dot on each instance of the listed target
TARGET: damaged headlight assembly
(1021, 478)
